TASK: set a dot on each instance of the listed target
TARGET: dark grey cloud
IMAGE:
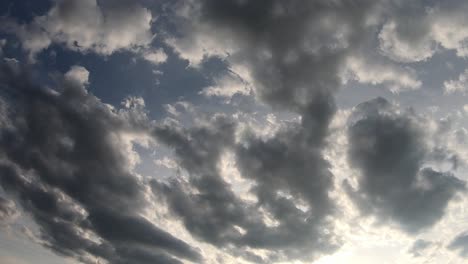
(63, 158)
(290, 179)
(207, 214)
(291, 47)
(64, 161)
(205, 202)
(388, 148)
(296, 60)
(292, 163)
(294, 51)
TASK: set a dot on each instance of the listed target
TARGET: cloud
(419, 246)
(227, 86)
(102, 27)
(156, 56)
(459, 85)
(65, 161)
(394, 77)
(67, 158)
(3, 43)
(166, 163)
(395, 183)
(287, 208)
(291, 54)
(406, 37)
(78, 74)
(416, 30)
(291, 51)
(460, 244)
(8, 211)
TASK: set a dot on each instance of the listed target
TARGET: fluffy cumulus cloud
(395, 183)
(103, 27)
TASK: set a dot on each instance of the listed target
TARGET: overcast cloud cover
(234, 131)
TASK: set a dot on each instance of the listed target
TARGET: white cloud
(178, 108)
(398, 48)
(227, 86)
(78, 74)
(450, 28)
(203, 44)
(156, 56)
(11, 260)
(394, 77)
(167, 163)
(458, 85)
(85, 25)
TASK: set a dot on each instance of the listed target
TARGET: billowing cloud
(290, 181)
(294, 177)
(282, 64)
(64, 160)
(415, 31)
(395, 183)
(103, 27)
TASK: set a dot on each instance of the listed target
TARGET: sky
(234, 131)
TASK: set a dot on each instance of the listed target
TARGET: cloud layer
(259, 162)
